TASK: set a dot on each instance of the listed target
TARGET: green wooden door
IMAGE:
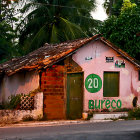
(111, 84)
(74, 95)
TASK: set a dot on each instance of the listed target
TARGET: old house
(75, 76)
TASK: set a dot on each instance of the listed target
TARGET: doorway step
(111, 115)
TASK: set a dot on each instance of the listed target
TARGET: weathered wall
(22, 82)
(18, 115)
(128, 84)
(52, 84)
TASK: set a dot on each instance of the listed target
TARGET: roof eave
(120, 52)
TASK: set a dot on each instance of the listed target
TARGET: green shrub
(105, 110)
(124, 117)
(90, 114)
(134, 113)
(12, 103)
(122, 110)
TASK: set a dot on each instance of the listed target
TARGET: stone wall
(18, 115)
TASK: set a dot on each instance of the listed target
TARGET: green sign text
(107, 103)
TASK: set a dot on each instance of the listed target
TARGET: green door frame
(67, 95)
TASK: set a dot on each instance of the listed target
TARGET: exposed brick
(43, 73)
(61, 86)
(52, 83)
(48, 74)
(42, 86)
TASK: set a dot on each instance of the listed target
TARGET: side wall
(52, 84)
(128, 84)
(22, 82)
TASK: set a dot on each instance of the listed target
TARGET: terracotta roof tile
(44, 56)
(50, 54)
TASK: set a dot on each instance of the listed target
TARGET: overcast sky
(99, 13)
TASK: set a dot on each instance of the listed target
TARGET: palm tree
(55, 21)
(7, 32)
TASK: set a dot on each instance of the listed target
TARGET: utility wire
(54, 5)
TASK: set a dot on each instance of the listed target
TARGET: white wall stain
(112, 68)
(125, 71)
(138, 89)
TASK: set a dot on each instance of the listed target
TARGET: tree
(55, 21)
(7, 33)
(123, 30)
(113, 7)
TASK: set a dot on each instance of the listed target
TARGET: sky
(99, 13)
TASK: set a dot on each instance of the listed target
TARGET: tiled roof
(50, 54)
(44, 56)
(121, 52)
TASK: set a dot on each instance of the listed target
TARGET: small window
(111, 84)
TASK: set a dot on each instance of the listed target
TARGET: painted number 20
(93, 82)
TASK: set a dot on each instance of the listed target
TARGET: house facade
(75, 76)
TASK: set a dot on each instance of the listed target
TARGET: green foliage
(33, 92)
(113, 7)
(114, 119)
(14, 100)
(124, 117)
(7, 33)
(122, 31)
(122, 110)
(12, 103)
(55, 21)
(105, 110)
(90, 114)
(135, 113)
(127, 5)
(6, 45)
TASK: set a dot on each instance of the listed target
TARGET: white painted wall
(21, 82)
(18, 115)
(129, 84)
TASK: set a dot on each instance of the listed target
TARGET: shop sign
(109, 59)
(93, 83)
(94, 104)
(119, 64)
